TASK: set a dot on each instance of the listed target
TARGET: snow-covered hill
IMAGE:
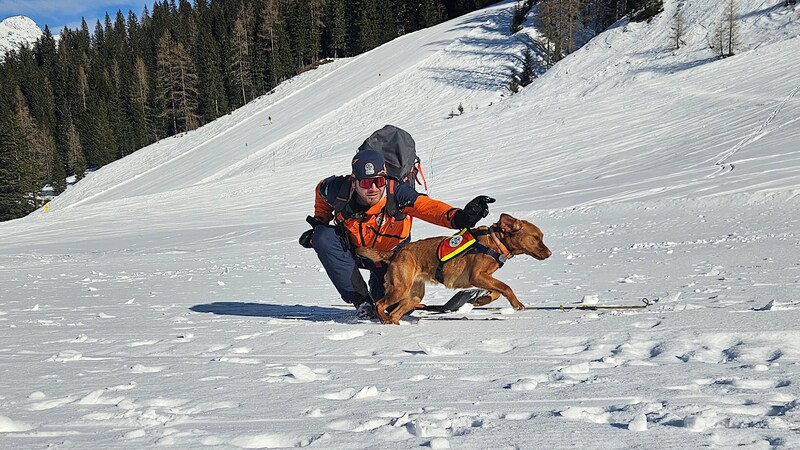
(16, 31)
(164, 300)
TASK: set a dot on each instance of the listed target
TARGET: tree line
(565, 25)
(563, 20)
(92, 97)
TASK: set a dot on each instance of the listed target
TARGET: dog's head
(522, 237)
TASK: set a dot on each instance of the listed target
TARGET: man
(363, 221)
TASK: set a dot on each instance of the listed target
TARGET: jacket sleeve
(323, 206)
(423, 207)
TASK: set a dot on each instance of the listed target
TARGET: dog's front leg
(380, 308)
(486, 281)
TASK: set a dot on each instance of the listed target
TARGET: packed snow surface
(163, 300)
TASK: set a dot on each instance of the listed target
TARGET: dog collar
(504, 253)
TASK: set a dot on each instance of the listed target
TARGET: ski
(450, 317)
(456, 301)
(569, 307)
(449, 310)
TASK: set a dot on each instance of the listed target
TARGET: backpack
(402, 165)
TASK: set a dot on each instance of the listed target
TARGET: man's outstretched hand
(473, 212)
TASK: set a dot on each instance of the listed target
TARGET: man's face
(371, 195)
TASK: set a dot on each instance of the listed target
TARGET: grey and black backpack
(402, 165)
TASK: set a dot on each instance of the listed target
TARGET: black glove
(476, 209)
(305, 238)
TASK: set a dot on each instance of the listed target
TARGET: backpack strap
(341, 203)
(418, 173)
(391, 202)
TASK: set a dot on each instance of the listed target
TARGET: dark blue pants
(342, 266)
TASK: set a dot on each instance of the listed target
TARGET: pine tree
(75, 161)
(140, 107)
(430, 12)
(276, 51)
(34, 151)
(317, 25)
(731, 26)
(210, 59)
(550, 14)
(678, 29)
(101, 145)
(177, 86)
(241, 65)
(528, 71)
(16, 199)
(335, 35)
(726, 33)
(367, 35)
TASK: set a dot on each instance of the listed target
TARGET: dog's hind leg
(488, 298)
(399, 283)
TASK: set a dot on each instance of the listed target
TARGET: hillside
(163, 300)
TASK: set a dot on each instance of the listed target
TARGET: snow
(16, 31)
(163, 299)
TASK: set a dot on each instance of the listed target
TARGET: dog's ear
(509, 224)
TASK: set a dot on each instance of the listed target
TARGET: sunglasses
(366, 183)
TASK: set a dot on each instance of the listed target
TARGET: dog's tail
(374, 255)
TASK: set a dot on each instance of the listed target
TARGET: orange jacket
(373, 227)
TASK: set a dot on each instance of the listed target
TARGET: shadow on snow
(296, 312)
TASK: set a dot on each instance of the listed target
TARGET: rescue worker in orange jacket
(361, 220)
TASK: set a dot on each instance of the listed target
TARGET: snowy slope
(16, 31)
(163, 300)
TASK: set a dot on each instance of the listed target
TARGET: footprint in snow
(273, 440)
(518, 416)
(647, 323)
(497, 345)
(296, 374)
(8, 425)
(346, 335)
(433, 350)
(754, 384)
(240, 350)
(304, 374)
(142, 343)
(364, 393)
(247, 336)
(50, 404)
(576, 369)
(139, 368)
(235, 360)
(523, 385)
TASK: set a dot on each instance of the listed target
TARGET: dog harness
(454, 245)
(464, 242)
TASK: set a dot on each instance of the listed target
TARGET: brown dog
(415, 264)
